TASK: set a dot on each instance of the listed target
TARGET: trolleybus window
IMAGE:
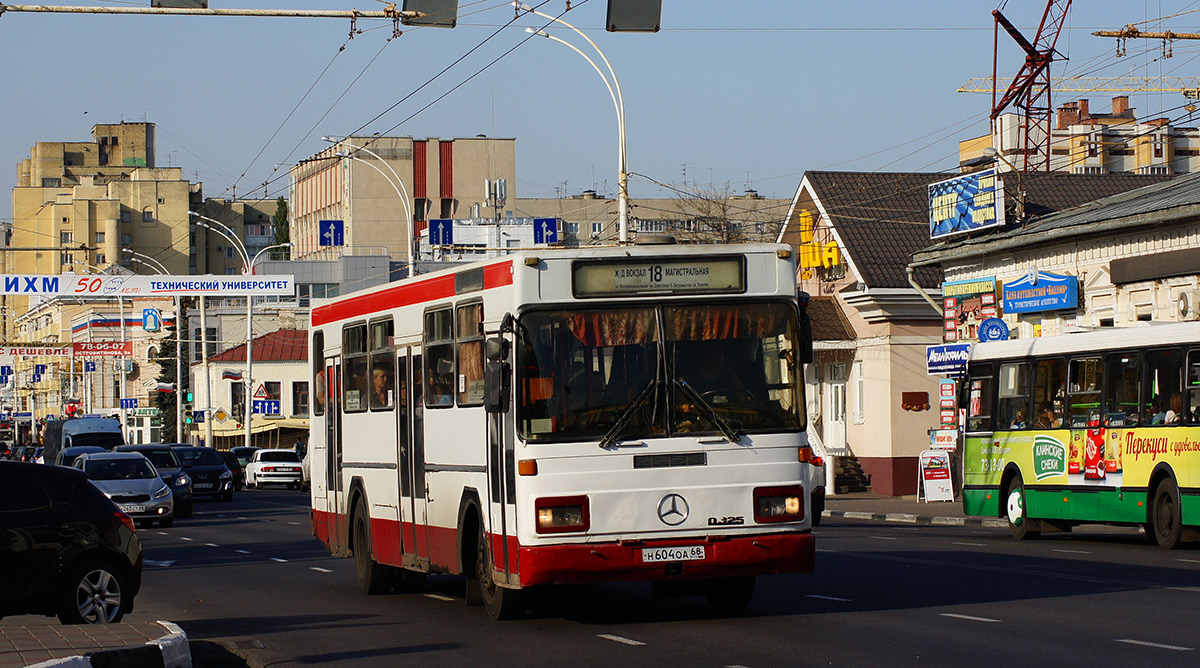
(318, 362)
(355, 376)
(439, 357)
(470, 354)
(1122, 376)
(980, 398)
(1164, 394)
(383, 371)
(582, 372)
(1014, 395)
(1083, 392)
(1049, 393)
(1192, 400)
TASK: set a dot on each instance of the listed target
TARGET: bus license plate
(133, 509)
(684, 553)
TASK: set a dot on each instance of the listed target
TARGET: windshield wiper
(731, 433)
(610, 437)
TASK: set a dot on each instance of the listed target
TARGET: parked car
(210, 475)
(132, 482)
(244, 453)
(171, 469)
(65, 548)
(275, 467)
(67, 456)
(235, 467)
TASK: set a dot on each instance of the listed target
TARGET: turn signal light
(778, 504)
(806, 453)
(527, 467)
(563, 514)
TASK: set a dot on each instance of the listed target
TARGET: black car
(65, 548)
(235, 467)
(210, 475)
(171, 469)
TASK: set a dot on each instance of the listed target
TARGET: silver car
(132, 482)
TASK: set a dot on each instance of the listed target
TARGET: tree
(720, 216)
(167, 354)
(282, 232)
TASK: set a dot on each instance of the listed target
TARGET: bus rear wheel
(373, 577)
(1019, 523)
(499, 602)
(1165, 522)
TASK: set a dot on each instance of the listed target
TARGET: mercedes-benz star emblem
(673, 510)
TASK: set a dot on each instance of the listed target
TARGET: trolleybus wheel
(1165, 524)
(373, 577)
(500, 603)
(1018, 517)
(731, 594)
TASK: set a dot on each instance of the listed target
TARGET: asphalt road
(249, 575)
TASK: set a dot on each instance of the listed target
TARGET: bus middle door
(414, 527)
(334, 493)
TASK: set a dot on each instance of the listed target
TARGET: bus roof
(1109, 338)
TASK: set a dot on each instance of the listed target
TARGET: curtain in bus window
(1122, 390)
(469, 326)
(1014, 396)
(1083, 392)
(609, 328)
(1163, 403)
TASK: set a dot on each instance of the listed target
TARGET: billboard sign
(966, 304)
(966, 203)
(103, 348)
(1041, 291)
(106, 285)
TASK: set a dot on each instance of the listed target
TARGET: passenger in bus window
(381, 387)
(1019, 420)
(439, 389)
(1174, 414)
(1046, 419)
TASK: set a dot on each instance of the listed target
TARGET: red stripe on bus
(407, 294)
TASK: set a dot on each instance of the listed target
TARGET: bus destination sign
(623, 277)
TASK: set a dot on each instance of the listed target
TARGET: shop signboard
(936, 476)
(1041, 291)
(966, 304)
(949, 359)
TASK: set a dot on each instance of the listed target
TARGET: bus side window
(439, 358)
(1122, 390)
(1049, 390)
(1083, 391)
(980, 400)
(317, 354)
(1163, 403)
(1014, 396)
(383, 371)
(1191, 404)
(355, 373)
(470, 354)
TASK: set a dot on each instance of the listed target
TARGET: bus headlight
(778, 504)
(562, 514)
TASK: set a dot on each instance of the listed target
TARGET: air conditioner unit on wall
(1187, 306)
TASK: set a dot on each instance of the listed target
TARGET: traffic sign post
(441, 232)
(266, 407)
(332, 232)
(545, 230)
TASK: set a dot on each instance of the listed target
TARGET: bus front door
(334, 494)
(502, 515)
(414, 528)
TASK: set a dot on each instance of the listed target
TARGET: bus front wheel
(499, 602)
(373, 577)
(1019, 524)
(1165, 522)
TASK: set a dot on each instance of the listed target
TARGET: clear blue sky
(745, 92)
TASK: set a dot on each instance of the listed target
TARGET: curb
(906, 518)
(168, 651)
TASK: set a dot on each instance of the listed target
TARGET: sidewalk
(126, 645)
(903, 509)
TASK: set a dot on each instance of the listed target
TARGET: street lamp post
(160, 268)
(397, 185)
(614, 90)
(250, 338)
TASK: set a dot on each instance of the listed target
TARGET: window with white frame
(860, 393)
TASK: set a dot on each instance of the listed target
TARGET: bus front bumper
(627, 561)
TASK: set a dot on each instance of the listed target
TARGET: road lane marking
(1143, 643)
(1189, 561)
(161, 533)
(439, 597)
(1072, 551)
(295, 524)
(829, 598)
(969, 618)
(184, 538)
(211, 545)
(160, 564)
(884, 537)
(969, 544)
(319, 569)
(282, 561)
(242, 551)
(625, 641)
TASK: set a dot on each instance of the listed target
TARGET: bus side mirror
(806, 335)
(497, 376)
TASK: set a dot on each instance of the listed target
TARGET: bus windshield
(662, 370)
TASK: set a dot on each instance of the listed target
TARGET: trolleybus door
(502, 523)
(334, 496)
(413, 487)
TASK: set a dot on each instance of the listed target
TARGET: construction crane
(1029, 90)
(1189, 86)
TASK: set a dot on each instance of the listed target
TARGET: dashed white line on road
(1143, 643)
(969, 618)
(161, 533)
(439, 597)
(243, 518)
(968, 544)
(295, 524)
(1189, 561)
(161, 564)
(625, 641)
(282, 561)
(211, 545)
(242, 551)
(184, 538)
(828, 598)
(1072, 551)
(884, 537)
(319, 569)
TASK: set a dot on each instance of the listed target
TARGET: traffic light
(188, 396)
(188, 418)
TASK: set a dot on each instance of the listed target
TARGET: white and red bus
(628, 413)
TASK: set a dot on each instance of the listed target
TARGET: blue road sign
(441, 232)
(5, 370)
(151, 319)
(37, 377)
(89, 366)
(545, 230)
(332, 232)
(197, 417)
(266, 407)
(39, 369)
(129, 403)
